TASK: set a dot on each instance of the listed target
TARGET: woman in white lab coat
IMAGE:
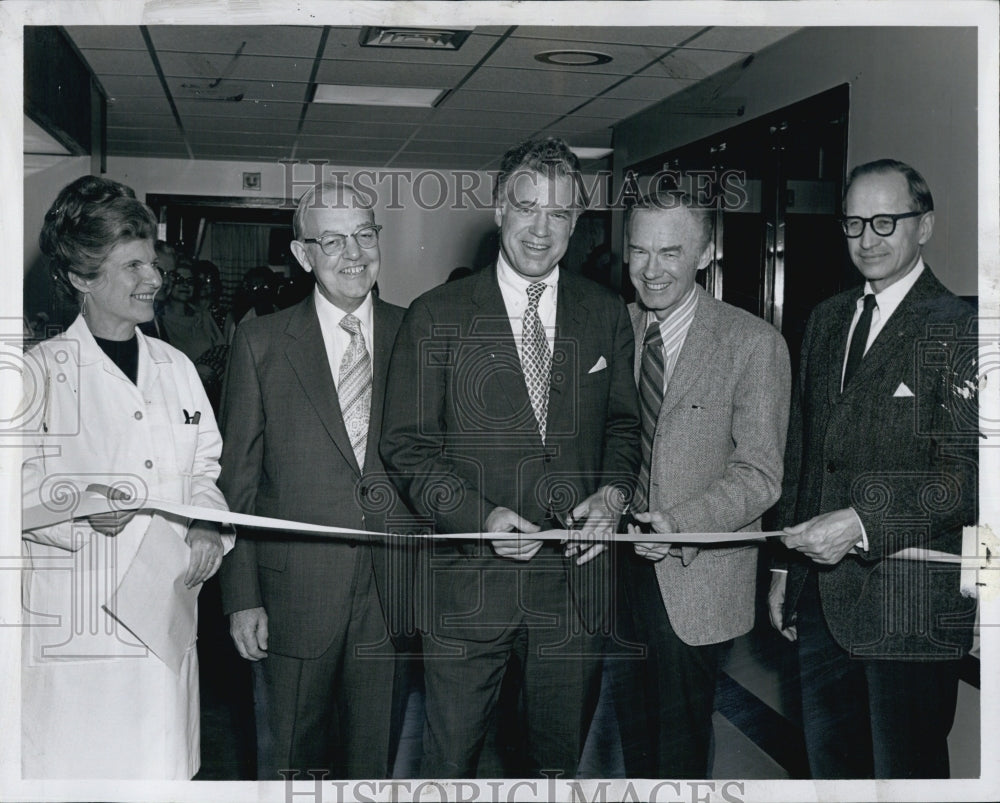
(109, 406)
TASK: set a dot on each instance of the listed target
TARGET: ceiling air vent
(422, 38)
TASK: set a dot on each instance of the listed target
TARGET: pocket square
(902, 392)
(600, 365)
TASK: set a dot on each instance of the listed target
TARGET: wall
(419, 247)
(913, 98)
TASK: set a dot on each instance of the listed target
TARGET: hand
(249, 631)
(595, 518)
(650, 550)
(826, 538)
(206, 552)
(112, 522)
(505, 520)
(776, 604)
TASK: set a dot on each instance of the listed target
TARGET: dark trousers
(870, 718)
(341, 711)
(664, 700)
(557, 667)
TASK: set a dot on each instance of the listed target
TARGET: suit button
(548, 458)
(364, 490)
(831, 467)
(138, 415)
(149, 464)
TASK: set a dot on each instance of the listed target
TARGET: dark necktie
(650, 399)
(856, 349)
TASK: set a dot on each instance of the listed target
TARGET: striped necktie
(355, 388)
(650, 398)
(859, 340)
(536, 360)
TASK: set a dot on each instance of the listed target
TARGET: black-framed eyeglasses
(882, 225)
(334, 244)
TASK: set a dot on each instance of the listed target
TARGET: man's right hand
(776, 604)
(249, 631)
(505, 520)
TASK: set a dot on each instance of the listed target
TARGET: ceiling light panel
(428, 38)
(520, 52)
(344, 94)
(342, 43)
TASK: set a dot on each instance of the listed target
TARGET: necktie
(536, 361)
(856, 349)
(650, 398)
(355, 388)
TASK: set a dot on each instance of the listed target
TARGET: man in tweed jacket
(714, 423)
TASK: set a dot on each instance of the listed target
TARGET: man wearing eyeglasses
(302, 413)
(881, 456)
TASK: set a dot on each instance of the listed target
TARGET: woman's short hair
(89, 217)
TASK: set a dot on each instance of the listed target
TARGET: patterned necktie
(536, 360)
(355, 388)
(650, 399)
(859, 339)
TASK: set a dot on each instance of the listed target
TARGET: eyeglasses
(183, 280)
(334, 244)
(882, 225)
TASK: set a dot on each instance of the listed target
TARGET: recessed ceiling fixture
(586, 154)
(573, 58)
(377, 95)
(423, 38)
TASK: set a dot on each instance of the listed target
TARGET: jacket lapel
(835, 350)
(697, 352)
(491, 321)
(382, 344)
(571, 314)
(307, 354)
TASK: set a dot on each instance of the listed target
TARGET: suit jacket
(899, 445)
(717, 461)
(461, 439)
(286, 454)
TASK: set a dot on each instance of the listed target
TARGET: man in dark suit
(511, 408)
(714, 384)
(301, 420)
(881, 456)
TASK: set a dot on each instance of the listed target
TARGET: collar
(332, 314)
(683, 310)
(890, 298)
(514, 281)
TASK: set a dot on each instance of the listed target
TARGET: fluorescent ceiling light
(377, 95)
(591, 153)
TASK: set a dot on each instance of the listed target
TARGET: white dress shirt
(514, 289)
(681, 316)
(335, 339)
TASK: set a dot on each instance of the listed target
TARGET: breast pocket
(184, 441)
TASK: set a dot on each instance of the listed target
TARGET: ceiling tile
(240, 124)
(120, 62)
(126, 37)
(539, 81)
(118, 86)
(512, 101)
(651, 89)
(693, 64)
(614, 109)
(160, 149)
(465, 148)
(164, 134)
(248, 40)
(119, 118)
(344, 142)
(626, 35)
(338, 127)
(459, 118)
(137, 104)
(361, 114)
(244, 90)
(748, 39)
(213, 66)
(252, 109)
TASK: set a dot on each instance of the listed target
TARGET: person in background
(714, 384)
(255, 298)
(302, 417)
(208, 290)
(166, 258)
(882, 456)
(116, 408)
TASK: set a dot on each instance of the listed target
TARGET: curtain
(235, 248)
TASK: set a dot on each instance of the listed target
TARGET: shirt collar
(684, 309)
(333, 314)
(893, 295)
(511, 279)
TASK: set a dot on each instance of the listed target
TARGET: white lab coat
(95, 702)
